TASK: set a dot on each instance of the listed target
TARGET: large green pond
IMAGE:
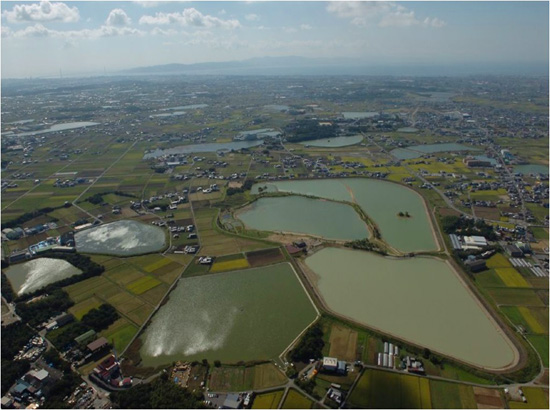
(121, 238)
(298, 214)
(35, 274)
(381, 200)
(417, 299)
(251, 314)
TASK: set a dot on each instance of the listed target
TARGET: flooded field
(122, 238)
(305, 215)
(334, 142)
(413, 299)
(214, 316)
(416, 151)
(210, 147)
(381, 201)
(35, 274)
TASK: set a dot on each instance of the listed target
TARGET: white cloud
(44, 11)
(161, 32)
(6, 31)
(38, 30)
(118, 18)
(434, 22)
(305, 27)
(252, 17)
(384, 14)
(147, 4)
(189, 17)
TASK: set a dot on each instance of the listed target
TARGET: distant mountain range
(294, 65)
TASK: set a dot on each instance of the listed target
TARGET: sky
(40, 38)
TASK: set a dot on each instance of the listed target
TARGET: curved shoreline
(312, 278)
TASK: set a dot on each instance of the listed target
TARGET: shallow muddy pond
(251, 314)
(417, 299)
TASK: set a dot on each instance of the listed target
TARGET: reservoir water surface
(298, 214)
(417, 299)
(380, 200)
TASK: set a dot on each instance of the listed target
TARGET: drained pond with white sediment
(380, 200)
(35, 274)
(121, 238)
(243, 315)
(420, 299)
(297, 214)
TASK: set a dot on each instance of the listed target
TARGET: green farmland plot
(381, 389)
(142, 285)
(295, 400)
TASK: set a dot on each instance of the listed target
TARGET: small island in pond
(404, 214)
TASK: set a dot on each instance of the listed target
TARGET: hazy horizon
(47, 39)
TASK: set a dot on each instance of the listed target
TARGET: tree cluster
(306, 130)
(159, 394)
(14, 337)
(38, 312)
(97, 199)
(465, 226)
(310, 346)
(100, 318)
(245, 187)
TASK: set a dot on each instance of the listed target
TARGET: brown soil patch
(489, 213)
(235, 184)
(488, 398)
(264, 257)
(448, 212)
(343, 343)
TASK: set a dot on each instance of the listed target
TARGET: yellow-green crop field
(512, 278)
(142, 285)
(268, 400)
(536, 399)
(295, 400)
(498, 261)
(230, 265)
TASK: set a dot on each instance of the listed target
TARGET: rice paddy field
(378, 389)
(295, 400)
(241, 378)
(536, 399)
(133, 286)
(269, 400)
(522, 299)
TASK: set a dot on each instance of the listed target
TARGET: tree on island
(402, 214)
